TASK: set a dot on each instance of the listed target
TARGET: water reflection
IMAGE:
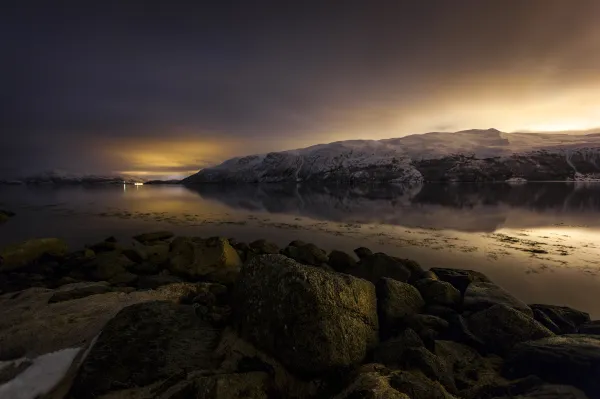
(462, 207)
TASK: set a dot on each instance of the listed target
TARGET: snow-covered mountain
(59, 177)
(470, 155)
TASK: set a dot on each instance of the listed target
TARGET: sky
(161, 90)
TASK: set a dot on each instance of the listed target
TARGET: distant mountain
(470, 155)
(57, 177)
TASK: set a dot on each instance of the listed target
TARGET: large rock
(501, 327)
(482, 295)
(395, 301)
(415, 384)
(391, 352)
(566, 359)
(310, 319)
(264, 247)
(212, 259)
(460, 278)
(142, 344)
(308, 254)
(340, 261)
(154, 236)
(106, 265)
(593, 327)
(375, 267)
(371, 385)
(436, 292)
(15, 256)
(560, 319)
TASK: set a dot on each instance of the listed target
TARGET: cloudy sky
(164, 90)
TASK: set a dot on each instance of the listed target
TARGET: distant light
(138, 184)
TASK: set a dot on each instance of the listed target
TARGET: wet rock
(212, 259)
(375, 267)
(155, 281)
(560, 319)
(460, 278)
(15, 256)
(436, 292)
(154, 236)
(341, 261)
(482, 295)
(571, 359)
(263, 247)
(308, 254)
(501, 327)
(593, 327)
(144, 343)
(285, 308)
(363, 252)
(391, 352)
(395, 301)
(79, 290)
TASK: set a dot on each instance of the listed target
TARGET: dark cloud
(273, 75)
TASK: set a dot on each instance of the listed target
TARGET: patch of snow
(45, 373)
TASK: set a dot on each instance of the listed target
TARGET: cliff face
(473, 155)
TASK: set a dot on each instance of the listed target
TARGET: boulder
(297, 243)
(428, 327)
(375, 267)
(416, 271)
(154, 236)
(395, 301)
(572, 359)
(311, 320)
(135, 254)
(144, 343)
(460, 278)
(417, 386)
(363, 252)
(391, 352)
(371, 385)
(15, 256)
(592, 327)
(501, 327)
(308, 254)
(340, 261)
(470, 370)
(436, 292)
(106, 265)
(482, 295)
(560, 319)
(444, 312)
(212, 259)
(263, 247)
(431, 365)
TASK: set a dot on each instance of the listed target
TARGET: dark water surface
(538, 240)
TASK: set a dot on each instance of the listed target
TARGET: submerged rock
(286, 309)
(211, 259)
(501, 327)
(566, 359)
(145, 343)
(15, 256)
(482, 295)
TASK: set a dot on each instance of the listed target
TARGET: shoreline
(389, 323)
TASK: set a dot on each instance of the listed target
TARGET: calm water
(540, 241)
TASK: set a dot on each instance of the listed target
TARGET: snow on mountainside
(470, 155)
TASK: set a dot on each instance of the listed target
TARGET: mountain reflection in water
(462, 207)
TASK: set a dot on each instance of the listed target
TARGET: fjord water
(538, 240)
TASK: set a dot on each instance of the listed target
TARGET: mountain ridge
(469, 155)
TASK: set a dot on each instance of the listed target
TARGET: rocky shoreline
(188, 317)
